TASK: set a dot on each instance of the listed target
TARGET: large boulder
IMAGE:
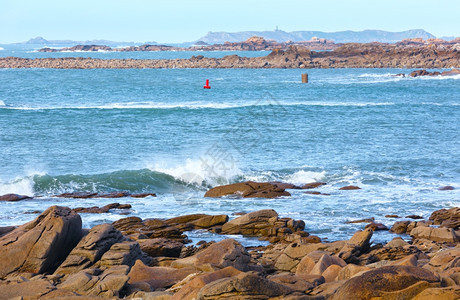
(123, 253)
(248, 189)
(25, 290)
(449, 218)
(96, 282)
(291, 256)
(384, 280)
(190, 290)
(90, 249)
(41, 245)
(161, 247)
(157, 277)
(217, 256)
(243, 286)
(264, 223)
(435, 234)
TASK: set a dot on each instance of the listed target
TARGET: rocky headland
(372, 55)
(133, 258)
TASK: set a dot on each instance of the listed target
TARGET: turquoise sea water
(160, 131)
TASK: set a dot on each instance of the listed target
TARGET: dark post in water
(304, 78)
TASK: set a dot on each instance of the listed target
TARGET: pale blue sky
(181, 20)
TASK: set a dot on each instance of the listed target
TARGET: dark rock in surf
(14, 197)
(248, 189)
(101, 210)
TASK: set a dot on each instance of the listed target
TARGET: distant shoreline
(371, 55)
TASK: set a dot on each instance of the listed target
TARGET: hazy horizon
(183, 21)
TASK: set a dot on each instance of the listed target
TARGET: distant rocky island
(254, 43)
(410, 53)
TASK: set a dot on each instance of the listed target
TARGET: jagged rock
(435, 234)
(199, 221)
(356, 245)
(390, 279)
(161, 247)
(244, 285)
(151, 228)
(95, 282)
(41, 245)
(263, 223)
(190, 290)
(449, 218)
(101, 210)
(123, 253)
(90, 249)
(14, 197)
(444, 259)
(223, 254)
(157, 277)
(249, 189)
(415, 217)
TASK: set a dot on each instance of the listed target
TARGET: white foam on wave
(2, 103)
(199, 105)
(199, 171)
(302, 177)
(2, 48)
(19, 185)
(374, 75)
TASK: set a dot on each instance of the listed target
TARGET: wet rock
(316, 193)
(285, 186)
(312, 185)
(157, 277)
(41, 245)
(113, 195)
(349, 188)
(96, 282)
(435, 234)
(161, 247)
(452, 72)
(244, 285)
(90, 249)
(449, 218)
(14, 197)
(190, 290)
(446, 188)
(391, 216)
(217, 256)
(143, 195)
(390, 279)
(101, 210)
(249, 189)
(123, 253)
(367, 220)
(376, 226)
(415, 217)
(77, 195)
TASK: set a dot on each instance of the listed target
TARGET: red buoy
(207, 86)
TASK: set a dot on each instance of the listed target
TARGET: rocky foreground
(372, 55)
(54, 257)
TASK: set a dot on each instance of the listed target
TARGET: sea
(158, 130)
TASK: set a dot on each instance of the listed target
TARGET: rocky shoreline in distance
(54, 257)
(372, 55)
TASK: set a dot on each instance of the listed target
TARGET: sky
(174, 21)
